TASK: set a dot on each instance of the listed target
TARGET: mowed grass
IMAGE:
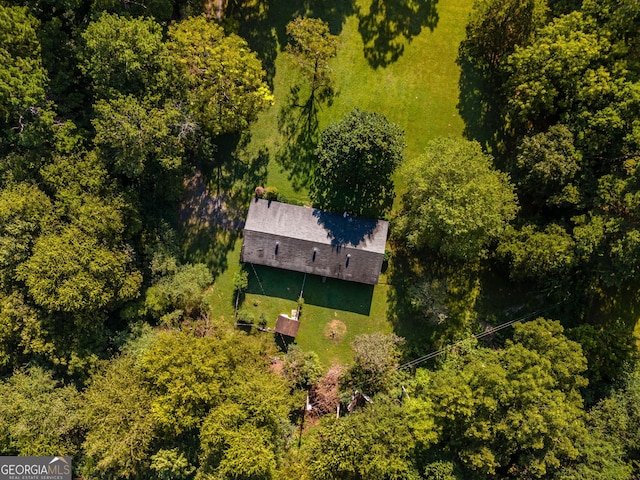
(419, 92)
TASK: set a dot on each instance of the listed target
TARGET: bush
(271, 193)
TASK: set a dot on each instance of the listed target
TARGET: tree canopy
(356, 159)
(456, 202)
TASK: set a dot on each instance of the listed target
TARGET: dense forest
(110, 354)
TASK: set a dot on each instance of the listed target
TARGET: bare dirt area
(335, 330)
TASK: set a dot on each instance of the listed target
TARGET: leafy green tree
(23, 79)
(617, 416)
(222, 78)
(311, 46)
(356, 159)
(547, 165)
(179, 293)
(132, 134)
(303, 368)
(120, 425)
(496, 27)
(375, 361)
(72, 271)
(24, 212)
(538, 255)
(456, 202)
(514, 413)
(373, 443)
(123, 56)
(39, 415)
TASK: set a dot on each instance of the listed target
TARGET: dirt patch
(335, 330)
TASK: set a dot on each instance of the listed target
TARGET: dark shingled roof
(287, 326)
(314, 241)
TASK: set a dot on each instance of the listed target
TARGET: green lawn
(418, 90)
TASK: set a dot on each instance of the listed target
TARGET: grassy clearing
(418, 91)
(395, 62)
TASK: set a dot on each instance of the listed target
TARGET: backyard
(390, 61)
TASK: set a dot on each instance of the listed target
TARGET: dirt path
(202, 209)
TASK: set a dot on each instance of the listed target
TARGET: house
(314, 241)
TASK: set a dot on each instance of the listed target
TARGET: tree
(540, 256)
(72, 271)
(356, 159)
(222, 79)
(511, 413)
(311, 46)
(138, 138)
(375, 363)
(39, 415)
(120, 423)
(373, 443)
(496, 27)
(547, 165)
(123, 55)
(24, 212)
(456, 203)
(22, 77)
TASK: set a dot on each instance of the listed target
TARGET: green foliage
(547, 164)
(302, 368)
(171, 465)
(122, 55)
(132, 134)
(515, 412)
(72, 271)
(161, 10)
(496, 27)
(22, 77)
(375, 360)
(38, 415)
(356, 159)
(373, 443)
(180, 290)
(24, 211)
(533, 254)
(311, 46)
(222, 77)
(120, 426)
(456, 203)
(617, 418)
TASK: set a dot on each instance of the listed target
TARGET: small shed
(314, 241)
(287, 326)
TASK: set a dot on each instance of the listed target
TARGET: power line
(490, 331)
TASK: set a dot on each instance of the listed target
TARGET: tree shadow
(390, 23)
(263, 23)
(345, 231)
(214, 206)
(479, 104)
(298, 124)
(460, 290)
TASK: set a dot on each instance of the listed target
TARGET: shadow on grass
(215, 205)
(388, 24)
(415, 304)
(263, 24)
(298, 125)
(332, 293)
(479, 103)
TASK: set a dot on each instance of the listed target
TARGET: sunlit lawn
(418, 91)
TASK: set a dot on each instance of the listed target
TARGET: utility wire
(490, 331)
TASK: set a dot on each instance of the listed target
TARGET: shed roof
(317, 226)
(287, 326)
